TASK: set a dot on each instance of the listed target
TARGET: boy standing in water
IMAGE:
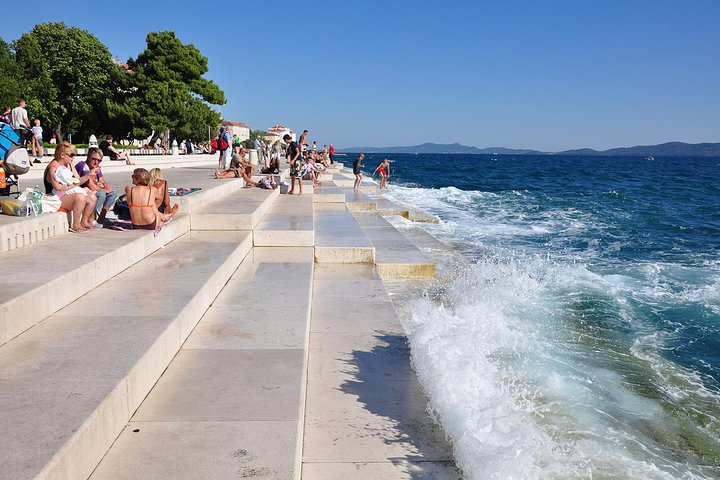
(384, 170)
(357, 165)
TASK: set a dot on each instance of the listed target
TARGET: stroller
(13, 159)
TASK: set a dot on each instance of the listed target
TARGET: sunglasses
(71, 155)
(96, 158)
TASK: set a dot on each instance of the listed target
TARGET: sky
(547, 75)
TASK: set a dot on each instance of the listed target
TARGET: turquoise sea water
(582, 340)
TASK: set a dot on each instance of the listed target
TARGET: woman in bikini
(72, 198)
(384, 170)
(163, 199)
(144, 214)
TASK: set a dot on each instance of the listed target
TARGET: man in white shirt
(20, 121)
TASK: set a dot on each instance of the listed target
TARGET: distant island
(665, 149)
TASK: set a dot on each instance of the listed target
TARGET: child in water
(384, 170)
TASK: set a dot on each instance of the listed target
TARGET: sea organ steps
(289, 211)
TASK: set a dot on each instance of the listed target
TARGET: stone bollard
(253, 157)
(92, 142)
(175, 149)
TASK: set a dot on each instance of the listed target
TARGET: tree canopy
(10, 90)
(170, 91)
(71, 82)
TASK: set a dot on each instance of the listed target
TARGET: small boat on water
(649, 157)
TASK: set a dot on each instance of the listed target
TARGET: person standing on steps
(224, 142)
(295, 160)
(357, 165)
(21, 123)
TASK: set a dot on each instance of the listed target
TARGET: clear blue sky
(549, 75)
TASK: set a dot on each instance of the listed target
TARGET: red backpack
(222, 143)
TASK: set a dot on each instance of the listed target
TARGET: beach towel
(182, 191)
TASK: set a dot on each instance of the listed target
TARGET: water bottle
(37, 199)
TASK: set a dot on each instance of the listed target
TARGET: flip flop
(73, 230)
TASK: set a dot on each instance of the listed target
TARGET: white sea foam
(514, 403)
(530, 360)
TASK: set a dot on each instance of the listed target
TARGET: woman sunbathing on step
(64, 183)
(163, 199)
(144, 214)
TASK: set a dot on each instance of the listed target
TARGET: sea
(580, 337)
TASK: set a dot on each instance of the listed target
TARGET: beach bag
(17, 161)
(121, 208)
(222, 143)
(50, 203)
(11, 206)
(13, 155)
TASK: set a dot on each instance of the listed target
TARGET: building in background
(276, 132)
(238, 128)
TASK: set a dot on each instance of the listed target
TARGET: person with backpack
(224, 146)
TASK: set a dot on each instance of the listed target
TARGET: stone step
(348, 181)
(17, 232)
(165, 162)
(288, 223)
(241, 210)
(328, 192)
(395, 255)
(366, 412)
(388, 207)
(231, 403)
(338, 237)
(73, 382)
(358, 200)
(45, 277)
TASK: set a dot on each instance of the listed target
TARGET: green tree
(10, 81)
(68, 74)
(169, 91)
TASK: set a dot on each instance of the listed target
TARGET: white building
(239, 129)
(276, 132)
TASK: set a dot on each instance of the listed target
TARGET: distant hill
(665, 149)
(439, 148)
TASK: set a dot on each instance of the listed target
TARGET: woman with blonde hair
(162, 200)
(141, 197)
(72, 198)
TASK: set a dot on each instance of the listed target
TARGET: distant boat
(649, 157)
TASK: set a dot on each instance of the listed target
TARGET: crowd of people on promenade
(83, 189)
(305, 161)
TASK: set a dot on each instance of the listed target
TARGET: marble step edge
(206, 219)
(27, 231)
(24, 311)
(81, 454)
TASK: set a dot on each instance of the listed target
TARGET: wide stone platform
(365, 414)
(231, 404)
(253, 337)
(73, 381)
(338, 237)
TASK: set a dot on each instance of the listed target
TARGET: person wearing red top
(331, 152)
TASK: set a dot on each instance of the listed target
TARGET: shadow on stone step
(386, 386)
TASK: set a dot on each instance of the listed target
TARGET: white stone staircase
(185, 355)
